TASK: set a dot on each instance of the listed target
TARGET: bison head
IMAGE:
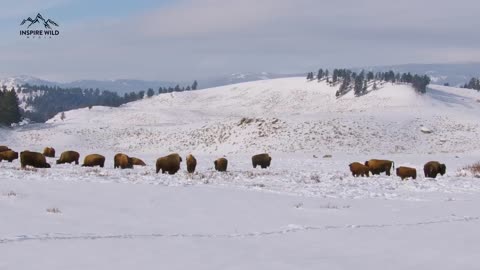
(443, 169)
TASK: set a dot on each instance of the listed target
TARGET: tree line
(359, 82)
(474, 83)
(42, 102)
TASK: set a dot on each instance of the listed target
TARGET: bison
(8, 155)
(377, 166)
(221, 164)
(122, 161)
(69, 157)
(34, 159)
(138, 162)
(4, 148)
(432, 168)
(170, 163)
(94, 160)
(191, 163)
(406, 172)
(358, 169)
(49, 152)
(263, 160)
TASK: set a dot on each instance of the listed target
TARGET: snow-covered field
(305, 212)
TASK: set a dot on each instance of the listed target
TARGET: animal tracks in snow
(292, 228)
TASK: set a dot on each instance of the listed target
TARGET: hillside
(279, 115)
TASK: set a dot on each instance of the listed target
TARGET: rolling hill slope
(279, 115)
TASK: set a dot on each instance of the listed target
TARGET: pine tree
(365, 87)
(150, 92)
(194, 85)
(9, 107)
(320, 74)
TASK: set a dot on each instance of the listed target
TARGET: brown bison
(358, 169)
(221, 164)
(432, 168)
(8, 155)
(191, 163)
(138, 162)
(377, 166)
(406, 172)
(170, 163)
(69, 157)
(263, 160)
(4, 148)
(122, 161)
(49, 152)
(34, 159)
(94, 160)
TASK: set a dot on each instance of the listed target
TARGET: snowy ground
(305, 212)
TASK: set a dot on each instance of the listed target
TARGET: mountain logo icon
(39, 19)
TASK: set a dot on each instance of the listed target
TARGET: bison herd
(168, 164)
(171, 164)
(377, 166)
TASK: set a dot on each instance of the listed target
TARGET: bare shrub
(54, 210)
(315, 178)
(11, 194)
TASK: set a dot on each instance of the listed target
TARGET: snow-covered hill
(120, 86)
(280, 115)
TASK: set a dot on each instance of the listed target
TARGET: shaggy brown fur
(432, 168)
(122, 161)
(138, 162)
(8, 155)
(358, 169)
(263, 160)
(4, 148)
(170, 163)
(406, 172)
(49, 152)
(191, 163)
(34, 159)
(69, 157)
(221, 164)
(94, 160)
(377, 166)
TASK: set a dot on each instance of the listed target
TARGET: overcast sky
(194, 39)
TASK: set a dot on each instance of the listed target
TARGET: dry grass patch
(473, 169)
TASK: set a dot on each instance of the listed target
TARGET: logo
(46, 32)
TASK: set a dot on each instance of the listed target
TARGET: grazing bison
(4, 148)
(263, 160)
(191, 163)
(34, 159)
(8, 155)
(49, 152)
(221, 164)
(358, 169)
(406, 172)
(94, 160)
(432, 168)
(138, 162)
(170, 163)
(377, 166)
(122, 161)
(69, 157)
